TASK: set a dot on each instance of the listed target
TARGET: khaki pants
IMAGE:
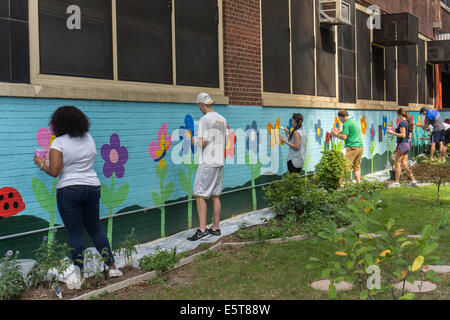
(354, 156)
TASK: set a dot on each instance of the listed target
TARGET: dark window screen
(275, 34)
(412, 73)
(86, 52)
(430, 83)
(378, 73)
(421, 71)
(302, 22)
(144, 40)
(403, 76)
(347, 60)
(363, 54)
(391, 74)
(197, 47)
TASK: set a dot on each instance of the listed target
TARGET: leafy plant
(98, 272)
(127, 247)
(368, 244)
(331, 169)
(12, 282)
(161, 261)
(52, 261)
(434, 170)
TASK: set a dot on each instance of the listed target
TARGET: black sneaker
(198, 235)
(214, 232)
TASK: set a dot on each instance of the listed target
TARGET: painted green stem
(51, 232)
(163, 209)
(110, 211)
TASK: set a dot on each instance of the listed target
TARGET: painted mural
(146, 160)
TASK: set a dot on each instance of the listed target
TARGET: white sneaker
(394, 185)
(114, 273)
(413, 184)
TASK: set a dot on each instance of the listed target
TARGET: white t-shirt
(213, 128)
(78, 161)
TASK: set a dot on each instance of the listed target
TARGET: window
(280, 35)
(430, 84)
(378, 73)
(174, 42)
(421, 72)
(144, 41)
(391, 74)
(363, 52)
(347, 61)
(86, 52)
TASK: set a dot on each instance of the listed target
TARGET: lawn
(272, 272)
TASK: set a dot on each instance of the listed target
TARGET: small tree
(433, 170)
(331, 169)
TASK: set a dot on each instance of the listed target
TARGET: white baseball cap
(204, 98)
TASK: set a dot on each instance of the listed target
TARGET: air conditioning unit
(438, 51)
(333, 12)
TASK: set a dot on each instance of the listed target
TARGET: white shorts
(208, 182)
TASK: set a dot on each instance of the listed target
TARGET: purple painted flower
(115, 157)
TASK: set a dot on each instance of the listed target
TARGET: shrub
(396, 257)
(161, 261)
(12, 282)
(434, 170)
(50, 256)
(331, 169)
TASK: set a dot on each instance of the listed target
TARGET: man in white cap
(211, 139)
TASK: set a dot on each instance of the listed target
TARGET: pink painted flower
(158, 149)
(44, 138)
(231, 141)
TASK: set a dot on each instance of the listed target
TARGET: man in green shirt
(351, 134)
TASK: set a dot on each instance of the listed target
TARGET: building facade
(135, 68)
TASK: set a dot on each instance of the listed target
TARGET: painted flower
(385, 124)
(318, 132)
(158, 150)
(231, 141)
(328, 138)
(372, 133)
(115, 157)
(290, 127)
(337, 124)
(186, 133)
(252, 141)
(45, 138)
(274, 132)
(363, 125)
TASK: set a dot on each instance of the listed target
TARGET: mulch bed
(44, 293)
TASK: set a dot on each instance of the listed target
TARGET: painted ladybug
(11, 202)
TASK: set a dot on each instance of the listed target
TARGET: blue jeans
(79, 207)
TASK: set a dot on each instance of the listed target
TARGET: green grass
(278, 271)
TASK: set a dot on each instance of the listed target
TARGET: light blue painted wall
(137, 125)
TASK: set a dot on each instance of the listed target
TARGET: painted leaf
(183, 181)
(121, 195)
(417, 263)
(156, 199)
(107, 195)
(168, 191)
(43, 196)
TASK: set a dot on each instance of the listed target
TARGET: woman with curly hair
(72, 156)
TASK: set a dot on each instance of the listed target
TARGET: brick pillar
(14, 41)
(242, 51)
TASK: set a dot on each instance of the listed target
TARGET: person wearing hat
(211, 139)
(433, 117)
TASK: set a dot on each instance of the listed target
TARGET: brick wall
(445, 17)
(242, 51)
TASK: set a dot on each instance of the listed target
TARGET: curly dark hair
(69, 120)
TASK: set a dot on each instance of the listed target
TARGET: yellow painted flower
(363, 125)
(417, 263)
(337, 124)
(341, 253)
(274, 133)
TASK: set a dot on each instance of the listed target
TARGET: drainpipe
(437, 24)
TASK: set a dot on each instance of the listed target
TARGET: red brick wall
(242, 51)
(445, 17)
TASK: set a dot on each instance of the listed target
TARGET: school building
(135, 67)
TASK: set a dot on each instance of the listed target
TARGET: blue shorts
(438, 136)
(403, 148)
